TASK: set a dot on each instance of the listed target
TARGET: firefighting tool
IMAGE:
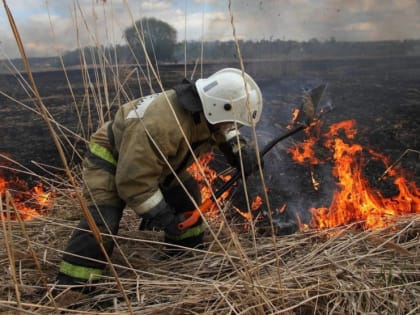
(306, 116)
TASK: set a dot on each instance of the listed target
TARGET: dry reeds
(338, 271)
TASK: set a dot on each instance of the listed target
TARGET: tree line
(158, 40)
(261, 49)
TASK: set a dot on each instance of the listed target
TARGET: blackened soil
(382, 95)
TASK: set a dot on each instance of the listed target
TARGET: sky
(51, 27)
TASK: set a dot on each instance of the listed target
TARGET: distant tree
(159, 38)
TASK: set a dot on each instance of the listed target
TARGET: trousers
(107, 210)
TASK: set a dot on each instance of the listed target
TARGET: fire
(355, 201)
(2, 185)
(295, 115)
(197, 170)
(30, 202)
(42, 198)
(304, 152)
(256, 203)
(202, 167)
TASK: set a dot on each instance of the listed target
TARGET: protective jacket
(133, 161)
(139, 160)
(147, 142)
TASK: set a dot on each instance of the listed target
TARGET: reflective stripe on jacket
(148, 134)
(102, 152)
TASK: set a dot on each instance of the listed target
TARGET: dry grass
(339, 271)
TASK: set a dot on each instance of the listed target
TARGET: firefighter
(139, 161)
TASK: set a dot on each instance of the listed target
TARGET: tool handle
(194, 215)
(263, 152)
(276, 140)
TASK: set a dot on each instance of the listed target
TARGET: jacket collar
(188, 96)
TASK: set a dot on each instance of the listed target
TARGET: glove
(249, 158)
(190, 238)
(162, 217)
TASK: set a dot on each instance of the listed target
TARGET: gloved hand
(191, 237)
(162, 217)
(249, 159)
(172, 227)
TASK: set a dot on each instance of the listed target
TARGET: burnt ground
(381, 94)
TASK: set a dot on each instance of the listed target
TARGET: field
(337, 271)
(382, 94)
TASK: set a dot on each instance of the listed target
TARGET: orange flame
(197, 170)
(256, 203)
(2, 185)
(315, 183)
(202, 167)
(282, 209)
(42, 198)
(246, 215)
(304, 152)
(295, 115)
(30, 202)
(355, 201)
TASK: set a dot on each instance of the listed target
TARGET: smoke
(360, 20)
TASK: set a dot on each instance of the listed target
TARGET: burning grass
(355, 199)
(341, 270)
(336, 270)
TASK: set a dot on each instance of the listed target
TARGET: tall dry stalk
(316, 272)
(94, 228)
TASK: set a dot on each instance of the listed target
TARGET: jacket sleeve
(140, 164)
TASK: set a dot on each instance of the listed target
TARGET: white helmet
(224, 97)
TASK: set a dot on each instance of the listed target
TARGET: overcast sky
(49, 27)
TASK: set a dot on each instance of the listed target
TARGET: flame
(315, 183)
(295, 115)
(302, 226)
(256, 203)
(200, 168)
(246, 215)
(304, 152)
(42, 198)
(29, 202)
(283, 208)
(355, 201)
(197, 170)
